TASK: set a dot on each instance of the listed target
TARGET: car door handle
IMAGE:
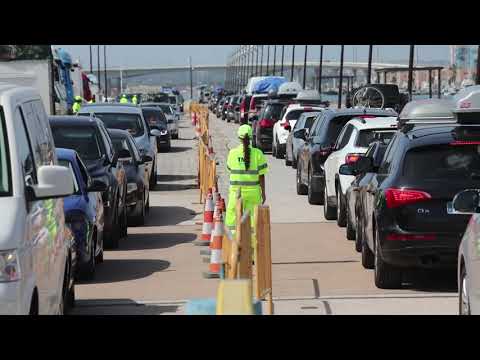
(371, 191)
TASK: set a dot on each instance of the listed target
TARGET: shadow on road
(166, 178)
(432, 281)
(315, 262)
(178, 149)
(168, 215)
(120, 307)
(155, 241)
(175, 187)
(116, 270)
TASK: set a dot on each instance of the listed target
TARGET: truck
(49, 75)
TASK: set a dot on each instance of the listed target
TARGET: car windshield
(366, 137)
(443, 162)
(166, 109)
(154, 118)
(120, 144)
(68, 164)
(273, 111)
(295, 114)
(84, 140)
(130, 122)
(4, 160)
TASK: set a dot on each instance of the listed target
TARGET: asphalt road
(315, 268)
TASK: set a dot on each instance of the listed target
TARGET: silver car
(294, 144)
(468, 202)
(130, 118)
(173, 118)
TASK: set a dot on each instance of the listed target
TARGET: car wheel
(294, 162)
(301, 188)
(358, 235)
(71, 297)
(88, 271)
(277, 150)
(139, 219)
(368, 258)
(463, 300)
(115, 235)
(287, 161)
(153, 177)
(99, 258)
(350, 231)
(386, 275)
(124, 222)
(314, 198)
(341, 214)
(329, 212)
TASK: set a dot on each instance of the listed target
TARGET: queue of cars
(406, 187)
(70, 187)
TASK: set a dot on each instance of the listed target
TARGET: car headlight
(9, 266)
(131, 187)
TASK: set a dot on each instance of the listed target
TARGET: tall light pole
(340, 83)
(191, 77)
(320, 71)
(256, 64)
(283, 53)
(305, 68)
(369, 70)
(274, 58)
(477, 78)
(261, 63)
(293, 62)
(91, 63)
(268, 58)
(410, 70)
(105, 66)
(98, 67)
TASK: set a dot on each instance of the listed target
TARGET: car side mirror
(146, 158)
(155, 132)
(97, 186)
(363, 165)
(300, 134)
(347, 169)
(466, 202)
(54, 181)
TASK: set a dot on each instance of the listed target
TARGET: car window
(83, 170)
(388, 157)
(299, 123)
(134, 150)
(367, 136)
(5, 174)
(335, 126)
(272, 111)
(36, 134)
(107, 140)
(443, 162)
(84, 140)
(68, 164)
(131, 122)
(309, 122)
(295, 114)
(24, 150)
(344, 137)
(316, 125)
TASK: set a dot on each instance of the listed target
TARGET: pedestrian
(123, 99)
(247, 167)
(134, 99)
(77, 104)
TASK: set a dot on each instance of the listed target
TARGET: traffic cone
(204, 239)
(215, 265)
(194, 119)
(218, 210)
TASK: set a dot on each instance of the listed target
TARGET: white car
(35, 246)
(282, 128)
(353, 140)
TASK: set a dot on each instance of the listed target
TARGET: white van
(35, 259)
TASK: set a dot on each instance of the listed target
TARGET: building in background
(463, 62)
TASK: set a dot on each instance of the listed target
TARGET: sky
(177, 55)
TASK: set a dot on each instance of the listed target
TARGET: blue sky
(171, 55)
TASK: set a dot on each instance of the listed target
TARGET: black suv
(404, 216)
(319, 145)
(90, 139)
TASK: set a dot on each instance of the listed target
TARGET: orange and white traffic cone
(215, 266)
(204, 239)
(217, 211)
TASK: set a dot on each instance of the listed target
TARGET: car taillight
(266, 123)
(401, 197)
(287, 126)
(367, 117)
(411, 237)
(351, 158)
(464, 142)
(242, 106)
(252, 104)
(325, 151)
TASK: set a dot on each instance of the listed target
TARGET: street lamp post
(340, 82)
(283, 53)
(256, 64)
(98, 67)
(261, 63)
(191, 77)
(105, 66)
(305, 68)
(410, 71)
(268, 58)
(320, 71)
(477, 78)
(91, 63)
(293, 62)
(369, 70)
(274, 58)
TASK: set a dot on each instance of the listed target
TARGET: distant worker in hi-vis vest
(123, 99)
(247, 167)
(77, 104)
(134, 99)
